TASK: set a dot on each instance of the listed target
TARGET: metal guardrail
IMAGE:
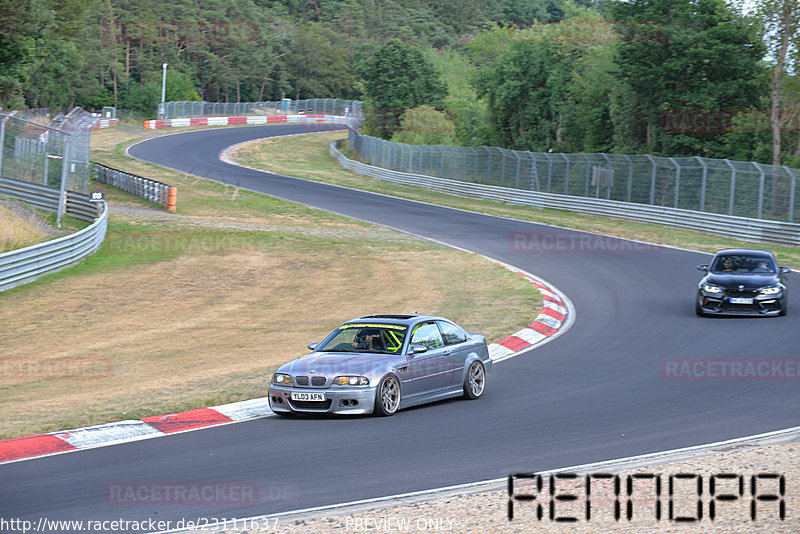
(25, 265)
(756, 230)
(136, 185)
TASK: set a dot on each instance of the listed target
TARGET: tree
(426, 126)
(319, 66)
(396, 78)
(691, 56)
(781, 19)
(548, 89)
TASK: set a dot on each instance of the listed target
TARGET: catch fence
(734, 188)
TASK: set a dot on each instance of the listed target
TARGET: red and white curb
(254, 119)
(132, 430)
(556, 316)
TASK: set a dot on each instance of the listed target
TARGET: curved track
(595, 393)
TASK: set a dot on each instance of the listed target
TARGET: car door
(455, 340)
(427, 372)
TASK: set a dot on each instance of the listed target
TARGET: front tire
(475, 381)
(698, 310)
(387, 397)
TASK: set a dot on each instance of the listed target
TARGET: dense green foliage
(397, 77)
(666, 77)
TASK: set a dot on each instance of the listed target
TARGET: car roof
(734, 251)
(399, 319)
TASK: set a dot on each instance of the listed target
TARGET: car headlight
(770, 290)
(349, 380)
(281, 379)
(711, 289)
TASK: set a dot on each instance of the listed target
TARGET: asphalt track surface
(597, 392)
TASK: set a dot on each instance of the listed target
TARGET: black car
(742, 282)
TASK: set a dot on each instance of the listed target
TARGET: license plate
(308, 396)
(741, 300)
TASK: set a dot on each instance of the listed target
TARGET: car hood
(327, 363)
(748, 280)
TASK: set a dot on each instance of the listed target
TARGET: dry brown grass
(202, 329)
(16, 232)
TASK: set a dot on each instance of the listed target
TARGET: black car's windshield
(365, 337)
(743, 264)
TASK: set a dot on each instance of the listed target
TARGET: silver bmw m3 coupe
(379, 364)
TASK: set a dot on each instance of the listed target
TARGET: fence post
(677, 181)
(3, 138)
(703, 184)
(630, 176)
(652, 180)
(62, 190)
(791, 193)
(733, 186)
(760, 189)
(566, 176)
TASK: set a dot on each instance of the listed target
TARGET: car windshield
(743, 264)
(365, 337)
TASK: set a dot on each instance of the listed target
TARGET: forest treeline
(665, 77)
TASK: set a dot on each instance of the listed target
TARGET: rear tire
(387, 397)
(475, 381)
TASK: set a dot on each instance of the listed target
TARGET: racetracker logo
(574, 243)
(181, 493)
(731, 369)
(21, 369)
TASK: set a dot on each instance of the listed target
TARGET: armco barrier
(255, 119)
(25, 265)
(756, 230)
(145, 188)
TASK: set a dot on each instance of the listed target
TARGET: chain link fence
(48, 147)
(744, 189)
(316, 106)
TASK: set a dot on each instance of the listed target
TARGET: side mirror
(312, 346)
(785, 270)
(417, 349)
(703, 267)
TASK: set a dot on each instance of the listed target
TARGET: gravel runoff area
(483, 508)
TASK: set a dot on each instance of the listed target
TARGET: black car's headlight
(351, 380)
(711, 289)
(770, 290)
(282, 379)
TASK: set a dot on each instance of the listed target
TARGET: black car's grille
(316, 381)
(311, 405)
(745, 293)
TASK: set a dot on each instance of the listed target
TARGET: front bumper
(338, 400)
(719, 304)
